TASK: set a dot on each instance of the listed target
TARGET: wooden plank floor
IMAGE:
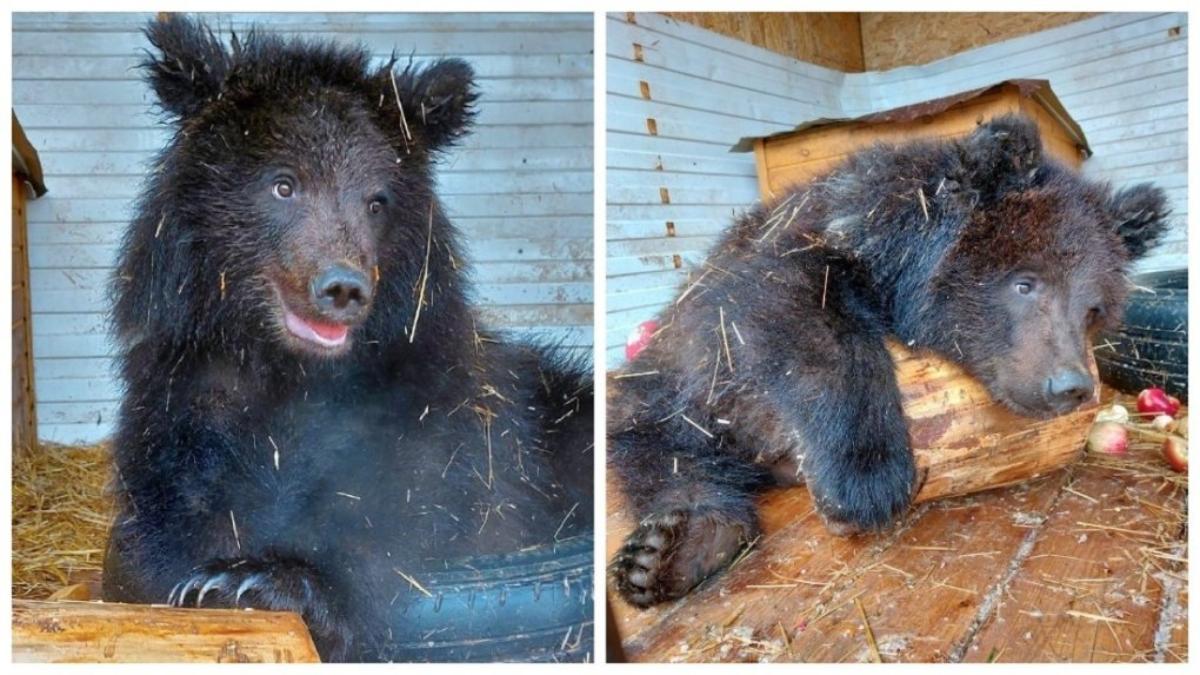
(1088, 564)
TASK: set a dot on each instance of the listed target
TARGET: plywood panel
(894, 39)
(830, 39)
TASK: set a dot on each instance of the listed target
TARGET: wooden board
(1014, 574)
(89, 632)
(830, 39)
(24, 420)
(787, 160)
(895, 39)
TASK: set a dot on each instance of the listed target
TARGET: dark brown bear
(314, 415)
(771, 369)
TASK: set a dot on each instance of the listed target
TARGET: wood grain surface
(93, 632)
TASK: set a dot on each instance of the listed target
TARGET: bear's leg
(695, 513)
(162, 564)
(856, 457)
(171, 541)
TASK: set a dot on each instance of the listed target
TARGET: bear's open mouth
(322, 337)
(327, 335)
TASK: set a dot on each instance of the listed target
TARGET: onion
(1114, 413)
(1175, 452)
(1110, 438)
(1155, 400)
(1163, 423)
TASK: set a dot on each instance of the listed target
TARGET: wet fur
(770, 367)
(249, 475)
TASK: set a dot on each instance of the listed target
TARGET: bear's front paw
(669, 553)
(852, 501)
(265, 584)
(277, 585)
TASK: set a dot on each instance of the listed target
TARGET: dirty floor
(1085, 565)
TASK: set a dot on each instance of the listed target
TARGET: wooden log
(90, 632)
(965, 442)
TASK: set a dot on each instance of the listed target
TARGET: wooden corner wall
(830, 39)
(854, 42)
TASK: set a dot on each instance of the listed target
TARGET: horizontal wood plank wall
(679, 97)
(520, 187)
(830, 39)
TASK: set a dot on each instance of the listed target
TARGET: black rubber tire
(1149, 348)
(535, 605)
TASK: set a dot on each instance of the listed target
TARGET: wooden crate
(794, 157)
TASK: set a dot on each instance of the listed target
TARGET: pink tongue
(327, 334)
(333, 332)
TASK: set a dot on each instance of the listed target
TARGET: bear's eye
(283, 188)
(1094, 315)
(376, 205)
(1023, 287)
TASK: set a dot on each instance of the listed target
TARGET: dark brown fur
(770, 367)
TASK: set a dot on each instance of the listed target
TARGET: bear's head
(296, 199)
(1036, 266)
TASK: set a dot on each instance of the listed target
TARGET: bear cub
(313, 412)
(771, 367)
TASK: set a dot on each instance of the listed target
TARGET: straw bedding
(62, 508)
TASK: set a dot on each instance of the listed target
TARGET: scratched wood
(1091, 589)
(90, 632)
(985, 577)
(755, 593)
(922, 593)
(1176, 649)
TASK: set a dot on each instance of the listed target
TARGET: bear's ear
(438, 102)
(190, 65)
(1002, 155)
(1141, 214)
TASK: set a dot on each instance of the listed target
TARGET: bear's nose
(341, 292)
(1067, 388)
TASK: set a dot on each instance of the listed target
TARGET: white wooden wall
(1123, 77)
(520, 187)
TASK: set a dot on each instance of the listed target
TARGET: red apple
(1156, 401)
(1110, 438)
(639, 338)
(1175, 452)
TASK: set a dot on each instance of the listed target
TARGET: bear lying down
(980, 250)
(311, 403)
